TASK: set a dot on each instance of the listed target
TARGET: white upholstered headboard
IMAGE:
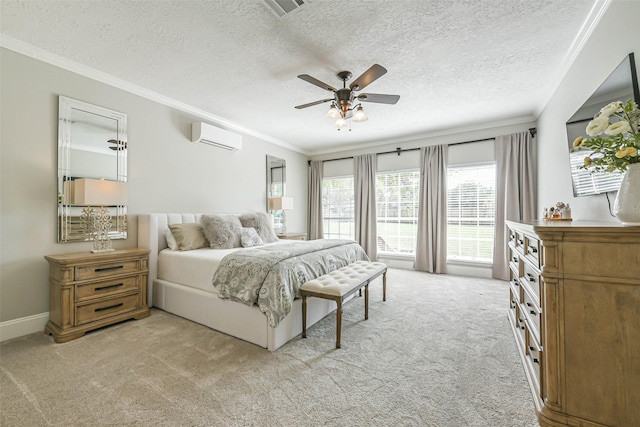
(151, 232)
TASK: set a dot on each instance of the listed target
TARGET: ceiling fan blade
(372, 74)
(314, 81)
(311, 104)
(379, 98)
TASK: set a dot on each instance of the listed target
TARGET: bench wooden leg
(304, 316)
(338, 323)
(366, 302)
(384, 286)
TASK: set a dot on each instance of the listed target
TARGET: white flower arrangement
(615, 145)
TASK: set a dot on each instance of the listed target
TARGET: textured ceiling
(455, 64)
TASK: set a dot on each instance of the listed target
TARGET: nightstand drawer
(106, 287)
(94, 271)
(98, 310)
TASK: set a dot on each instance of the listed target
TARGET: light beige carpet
(438, 352)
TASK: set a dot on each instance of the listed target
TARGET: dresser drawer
(94, 271)
(106, 287)
(531, 277)
(98, 310)
(533, 250)
(534, 357)
(532, 311)
(520, 242)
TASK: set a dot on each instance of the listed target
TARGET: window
(397, 196)
(337, 208)
(470, 213)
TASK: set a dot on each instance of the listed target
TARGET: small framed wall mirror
(92, 157)
(276, 186)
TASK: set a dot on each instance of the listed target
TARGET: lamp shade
(281, 203)
(98, 192)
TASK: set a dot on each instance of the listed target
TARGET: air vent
(281, 8)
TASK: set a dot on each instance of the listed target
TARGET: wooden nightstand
(293, 236)
(91, 290)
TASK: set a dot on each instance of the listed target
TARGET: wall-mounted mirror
(276, 186)
(92, 143)
(621, 85)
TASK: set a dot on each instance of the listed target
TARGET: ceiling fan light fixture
(341, 123)
(333, 113)
(359, 115)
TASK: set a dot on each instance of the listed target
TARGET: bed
(179, 282)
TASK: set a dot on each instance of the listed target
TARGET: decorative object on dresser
(614, 148)
(293, 236)
(88, 291)
(575, 313)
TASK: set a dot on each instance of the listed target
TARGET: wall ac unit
(212, 135)
(280, 8)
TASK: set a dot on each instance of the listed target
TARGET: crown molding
(429, 135)
(588, 27)
(102, 77)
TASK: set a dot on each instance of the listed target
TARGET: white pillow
(171, 241)
(249, 237)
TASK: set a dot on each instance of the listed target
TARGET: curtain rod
(398, 150)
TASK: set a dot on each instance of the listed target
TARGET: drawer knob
(530, 277)
(536, 360)
(533, 249)
(115, 267)
(521, 241)
(108, 308)
(102, 288)
(532, 312)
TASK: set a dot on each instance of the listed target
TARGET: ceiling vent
(212, 135)
(280, 8)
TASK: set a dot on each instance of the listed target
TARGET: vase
(627, 205)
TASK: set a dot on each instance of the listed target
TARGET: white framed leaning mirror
(92, 158)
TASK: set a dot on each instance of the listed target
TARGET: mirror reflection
(621, 85)
(276, 186)
(92, 145)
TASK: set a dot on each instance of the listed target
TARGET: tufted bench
(341, 284)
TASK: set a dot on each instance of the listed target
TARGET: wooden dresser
(575, 313)
(88, 291)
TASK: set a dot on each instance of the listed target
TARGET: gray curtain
(431, 250)
(365, 203)
(515, 192)
(314, 220)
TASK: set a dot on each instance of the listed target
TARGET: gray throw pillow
(222, 231)
(188, 236)
(249, 237)
(261, 221)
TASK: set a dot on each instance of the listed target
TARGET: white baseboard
(24, 326)
(453, 268)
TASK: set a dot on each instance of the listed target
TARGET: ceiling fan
(346, 100)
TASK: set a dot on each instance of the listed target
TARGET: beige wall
(617, 35)
(167, 172)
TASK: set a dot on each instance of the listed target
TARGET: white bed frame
(233, 318)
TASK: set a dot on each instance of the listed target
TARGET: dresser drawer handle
(116, 267)
(102, 288)
(515, 282)
(108, 308)
(521, 241)
(515, 259)
(530, 277)
(536, 360)
(533, 249)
